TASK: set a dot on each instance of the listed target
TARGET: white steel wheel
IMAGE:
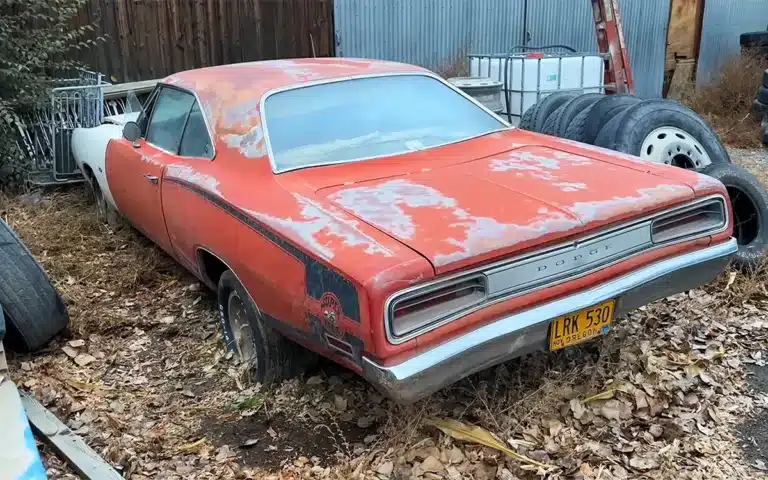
(673, 146)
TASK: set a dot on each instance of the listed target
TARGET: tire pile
(661, 131)
(760, 106)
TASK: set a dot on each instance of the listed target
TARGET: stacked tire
(660, 131)
(760, 106)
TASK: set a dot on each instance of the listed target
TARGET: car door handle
(151, 178)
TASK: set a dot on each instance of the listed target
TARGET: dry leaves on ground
(142, 376)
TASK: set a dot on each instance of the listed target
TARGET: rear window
(366, 118)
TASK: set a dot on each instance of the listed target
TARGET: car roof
(231, 94)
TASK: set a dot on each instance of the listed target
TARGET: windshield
(364, 118)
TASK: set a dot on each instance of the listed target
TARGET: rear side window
(195, 142)
(169, 116)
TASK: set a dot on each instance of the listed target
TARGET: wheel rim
(241, 328)
(101, 204)
(676, 147)
(746, 219)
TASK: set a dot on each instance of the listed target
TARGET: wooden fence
(149, 39)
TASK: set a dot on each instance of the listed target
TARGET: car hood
(465, 213)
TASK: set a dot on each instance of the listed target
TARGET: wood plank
(66, 443)
(684, 30)
(121, 89)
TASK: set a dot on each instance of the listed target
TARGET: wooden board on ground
(66, 443)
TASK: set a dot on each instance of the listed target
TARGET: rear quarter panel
(89, 147)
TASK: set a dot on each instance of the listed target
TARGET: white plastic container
(532, 77)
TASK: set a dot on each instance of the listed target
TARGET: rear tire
(272, 357)
(749, 209)
(34, 311)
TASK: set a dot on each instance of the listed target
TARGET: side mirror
(131, 132)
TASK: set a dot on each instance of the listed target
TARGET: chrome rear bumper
(526, 331)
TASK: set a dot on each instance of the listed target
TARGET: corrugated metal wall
(724, 22)
(433, 33)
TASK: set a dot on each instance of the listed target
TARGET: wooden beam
(121, 89)
(684, 30)
(66, 443)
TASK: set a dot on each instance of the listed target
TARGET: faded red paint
(382, 224)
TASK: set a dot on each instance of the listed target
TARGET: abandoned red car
(372, 213)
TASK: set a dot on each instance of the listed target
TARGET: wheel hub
(676, 147)
(241, 328)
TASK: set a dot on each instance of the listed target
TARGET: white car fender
(89, 148)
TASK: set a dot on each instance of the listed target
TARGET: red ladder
(610, 41)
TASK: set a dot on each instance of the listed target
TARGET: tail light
(409, 313)
(700, 219)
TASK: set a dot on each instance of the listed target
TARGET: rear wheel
(268, 355)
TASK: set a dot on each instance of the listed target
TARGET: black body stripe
(320, 279)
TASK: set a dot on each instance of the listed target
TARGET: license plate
(581, 326)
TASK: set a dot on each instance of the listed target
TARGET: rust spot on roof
(231, 94)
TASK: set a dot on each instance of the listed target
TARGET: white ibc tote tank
(534, 75)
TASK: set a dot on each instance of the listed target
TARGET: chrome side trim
(521, 332)
(538, 254)
(415, 73)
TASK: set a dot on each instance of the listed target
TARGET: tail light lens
(700, 219)
(426, 306)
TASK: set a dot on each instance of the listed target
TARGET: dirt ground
(678, 391)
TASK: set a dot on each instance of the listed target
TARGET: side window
(195, 142)
(169, 115)
(146, 113)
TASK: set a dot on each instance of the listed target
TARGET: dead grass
(457, 67)
(727, 102)
(91, 264)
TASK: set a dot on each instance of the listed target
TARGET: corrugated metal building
(434, 33)
(724, 21)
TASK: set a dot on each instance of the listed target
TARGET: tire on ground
(536, 116)
(550, 126)
(749, 207)
(607, 136)
(765, 78)
(603, 111)
(277, 358)
(640, 120)
(759, 110)
(571, 109)
(34, 311)
(577, 129)
(762, 95)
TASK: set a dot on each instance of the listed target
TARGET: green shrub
(38, 43)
